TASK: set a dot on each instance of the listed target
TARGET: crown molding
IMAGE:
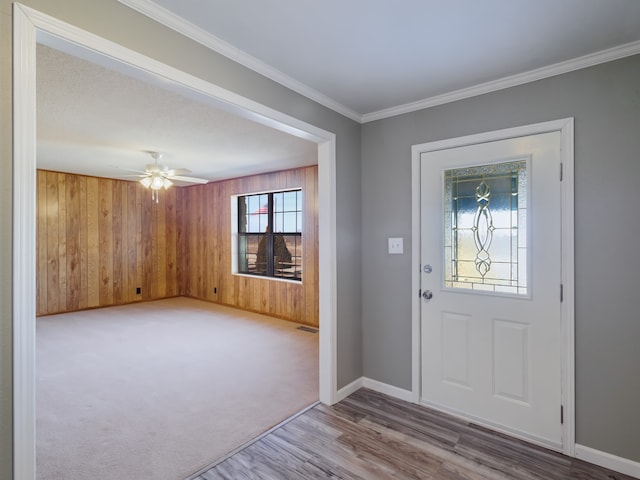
(197, 34)
(201, 36)
(585, 61)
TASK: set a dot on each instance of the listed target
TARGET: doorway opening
(32, 27)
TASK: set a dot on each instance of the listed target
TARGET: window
(270, 234)
(485, 219)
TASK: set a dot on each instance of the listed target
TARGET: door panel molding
(566, 129)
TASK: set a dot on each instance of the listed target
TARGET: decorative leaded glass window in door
(485, 228)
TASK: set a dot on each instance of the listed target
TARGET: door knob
(427, 295)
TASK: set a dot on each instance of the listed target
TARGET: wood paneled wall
(100, 239)
(206, 258)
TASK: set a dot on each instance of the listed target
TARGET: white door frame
(31, 27)
(565, 127)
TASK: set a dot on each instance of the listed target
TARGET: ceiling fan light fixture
(157, 182)
(167, 183)
(146, 182)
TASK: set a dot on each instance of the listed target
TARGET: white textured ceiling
(92, 120)
(365, 57)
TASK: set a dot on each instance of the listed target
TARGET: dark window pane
(242, 214)
(251, 258)
(288, 256)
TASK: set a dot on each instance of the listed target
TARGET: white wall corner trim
(24, 240)
(607, 460)
(199, 35)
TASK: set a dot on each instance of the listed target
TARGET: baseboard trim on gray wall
(387, 389)
(347, 390)
(380, 387)
(607, 460)
(588, 454)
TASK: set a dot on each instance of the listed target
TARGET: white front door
(491, 336)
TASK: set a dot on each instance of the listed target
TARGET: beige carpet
(161, 389)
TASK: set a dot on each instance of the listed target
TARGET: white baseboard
(591, 455)
(387, 389)
(381, 387)
(347, 390)
(612, 462)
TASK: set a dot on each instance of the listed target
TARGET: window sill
(260, 277)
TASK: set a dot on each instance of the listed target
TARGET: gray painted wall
(374, 297)
(605, 102)
(111, 20)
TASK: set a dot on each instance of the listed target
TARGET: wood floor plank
(372, 436)
(339, 454)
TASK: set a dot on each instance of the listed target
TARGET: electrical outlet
(396, 246)
(138, 291)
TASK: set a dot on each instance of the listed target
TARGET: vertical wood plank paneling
(207, 262)
(62, 241)
(200, 242)
(41, 243)
(99, 239)
(124, 244)
(93, 244)
(180, 239)
(153, 259)
(140, 194)
(161, 246)
(83, 237)
(147, 247)
(105, 240)
(116, 240)
(222, 250)
(171, 243)
(225, 283)
(72, 236)
(212, 213)
(53, 254)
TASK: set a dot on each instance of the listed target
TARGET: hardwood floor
(372, 436)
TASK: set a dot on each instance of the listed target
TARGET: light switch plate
(396, 246)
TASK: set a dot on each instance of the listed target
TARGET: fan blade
(177, 171)
(187, 179)
(131, 170)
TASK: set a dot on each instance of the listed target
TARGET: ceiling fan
(156, 176)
